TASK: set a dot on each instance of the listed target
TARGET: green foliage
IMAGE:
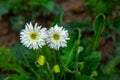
(6, 57)
(97, 6)
(58, 19)
(91, 62)
(98, 24)
(101, 6)
(70, 51)
(98, 27)
(110, 70)
(20, 52)
(80, 60)
(25, 58)
(114, 25)
(113, 61)
(3, 9)
(8, 62)
(68, 58)
(17, 23)
(4, 76)
(36, 3)
(84, 26)
(84, 77)
(49, 5)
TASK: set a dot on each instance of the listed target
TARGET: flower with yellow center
(57, 37)
(56, 68)
(41, 60)
(33, 36)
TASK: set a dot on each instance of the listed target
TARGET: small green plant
(53, 54)
(70, 52)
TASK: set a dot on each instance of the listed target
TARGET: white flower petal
(33, 37)
(59, 40)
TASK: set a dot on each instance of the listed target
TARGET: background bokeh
(14, 14)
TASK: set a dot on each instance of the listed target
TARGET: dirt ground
(7, 36)
(74, 9)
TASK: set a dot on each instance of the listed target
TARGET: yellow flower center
(34, 35)
(56, 37)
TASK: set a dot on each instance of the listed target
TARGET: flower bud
(41, 60)
(95, 73)
(56, 68)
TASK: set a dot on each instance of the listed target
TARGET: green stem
(50, 71)
(64, 77)
(46, 73)
(54, 55)
(77, 55)
(95, 42)
(59, 56)
(79, 36)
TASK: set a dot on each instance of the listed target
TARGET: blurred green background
(15, 13)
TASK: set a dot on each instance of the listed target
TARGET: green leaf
(4, 9)
(96, 6)
(72, 25)
(4, 76)
(17, 23)
(99, 23)
(8, 61)
(49, 5)
(16, 6)
(47, 53)
(26, 58)
(20, 77)
(91, 62)
(100, 7)
(58, 19)
(90, 2)
(14, 76)
(70, 51)
(98, 27)
(36, 3)
(20, 52)
(57, 9)
(114, 25)
(110, 67)
(5, 58)
(77, 76)
(84, 77)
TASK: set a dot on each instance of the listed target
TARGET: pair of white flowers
(35, 37)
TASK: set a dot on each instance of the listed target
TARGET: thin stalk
(54, 55)
(50, 71)
(59, 56)
(45, 72)
(77, 55)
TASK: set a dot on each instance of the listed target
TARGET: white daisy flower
(57, 37)
(33, 36)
